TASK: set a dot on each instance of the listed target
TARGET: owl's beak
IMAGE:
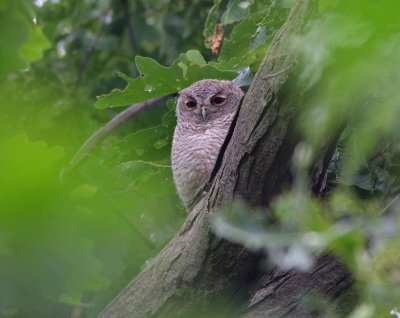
(204, 112)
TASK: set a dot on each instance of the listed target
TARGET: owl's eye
(218, 100)
(191, 104)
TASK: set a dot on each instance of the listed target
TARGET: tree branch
(282, 294)
(109, 126)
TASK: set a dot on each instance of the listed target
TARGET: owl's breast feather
(193, 157)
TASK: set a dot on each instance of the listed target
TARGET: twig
(153, 164)
(89, 53)
(109, 126)
(390, 204)
(132, 37)
(131, 33)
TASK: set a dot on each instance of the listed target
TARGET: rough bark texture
(197, 269)
(324, 291)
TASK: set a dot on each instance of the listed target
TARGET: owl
(204, 112)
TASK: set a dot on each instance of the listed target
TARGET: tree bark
(198, 270)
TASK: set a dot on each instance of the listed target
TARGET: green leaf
(249, 40)
(23, 42)
(33, 48)
(12, 40)
(235, 11)
(3, 4)
(23, 160)
(156, 80)
(195, 57)
(89, 277)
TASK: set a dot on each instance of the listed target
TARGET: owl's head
(207, 100)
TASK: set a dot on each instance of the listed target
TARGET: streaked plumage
(204, 111)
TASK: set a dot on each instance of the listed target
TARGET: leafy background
(72, 237)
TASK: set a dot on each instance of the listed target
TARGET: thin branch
(109, 126)
(390, 204)
(150, 163)
(131, 33)
(90, 52)
(132, 37)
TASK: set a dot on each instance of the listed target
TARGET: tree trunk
(198, 270)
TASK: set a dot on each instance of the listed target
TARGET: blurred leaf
(249, 40)
(12, 40)
(195, 57)
(32, 49)
(83, 191)
(351, 68)
(235, 11)
(363, 311)
(21, 41)
(89, 278)
(21, 160)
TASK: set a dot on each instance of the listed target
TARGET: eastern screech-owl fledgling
(204, 111)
